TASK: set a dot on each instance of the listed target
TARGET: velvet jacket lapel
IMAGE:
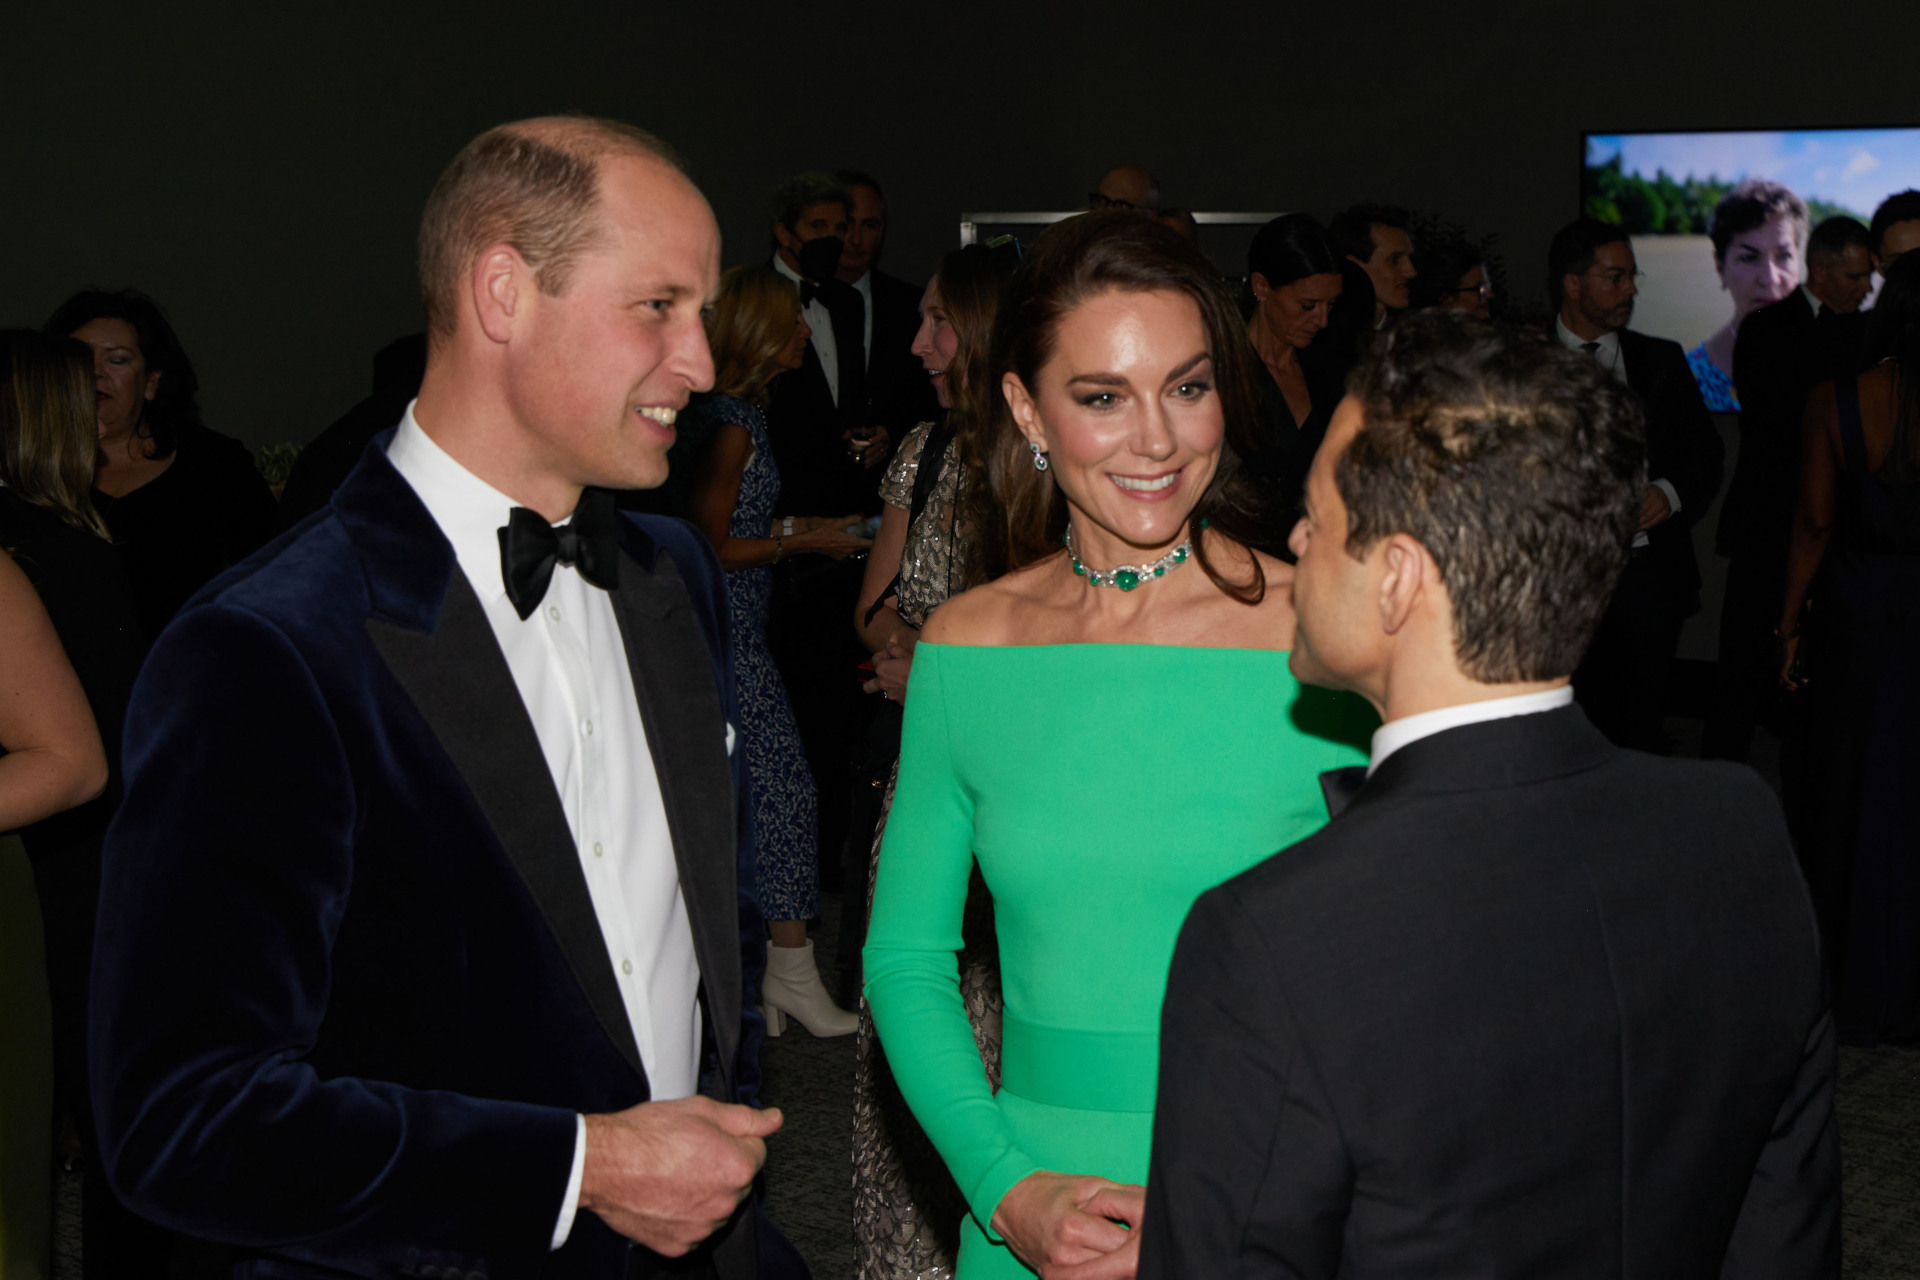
(686, 734)
(432, 632)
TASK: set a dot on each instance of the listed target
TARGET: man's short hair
(804, 190)
(1574, 249)
(1352, 229)
(533, 185)
(851, 178)
(1901, 206)
(1517, 464)
(1831, 239)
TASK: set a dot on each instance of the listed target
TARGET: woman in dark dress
(50, 529)
(756, 333)
(1854, 563)
(183, 503)
(1294, 273)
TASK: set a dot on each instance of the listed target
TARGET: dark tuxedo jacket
(1683, 448)
(1781, 354)
(816, 475)
(1530, 1006)
(349, 989)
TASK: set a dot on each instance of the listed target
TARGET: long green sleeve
(913, 980)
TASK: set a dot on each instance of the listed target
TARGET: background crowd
(845, 470)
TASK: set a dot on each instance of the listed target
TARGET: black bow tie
(530, 547)
(1341, 787)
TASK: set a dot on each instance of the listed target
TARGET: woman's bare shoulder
(990, 613)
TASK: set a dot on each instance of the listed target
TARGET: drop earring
(1039, 458)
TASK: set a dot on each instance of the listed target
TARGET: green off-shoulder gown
(1102, 788)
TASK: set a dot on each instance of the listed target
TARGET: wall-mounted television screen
(1666, 189)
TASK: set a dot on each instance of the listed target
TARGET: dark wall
(261, 171)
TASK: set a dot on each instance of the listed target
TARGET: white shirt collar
(865, 286)
(1814, 302)
(1395, 734)
(468, 510)
(780, 265)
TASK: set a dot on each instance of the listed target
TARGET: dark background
(260, 169)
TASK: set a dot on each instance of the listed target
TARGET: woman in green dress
(1109, 729)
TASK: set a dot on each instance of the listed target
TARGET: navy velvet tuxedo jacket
(350, 990)
(1529, 1006)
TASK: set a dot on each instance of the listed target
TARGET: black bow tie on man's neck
(530, 548)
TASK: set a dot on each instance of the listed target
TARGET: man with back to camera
(1895, 228)
(1378, 238)
(1622, 682)
(1529, 1005)
(424, 950)
(1781, 353)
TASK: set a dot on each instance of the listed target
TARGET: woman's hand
(827, 537)
(1069, 1228)
(892, 665)
(1792, 681)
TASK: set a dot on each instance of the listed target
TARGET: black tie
(1591, 348)
(1341, 787)
(530, 548)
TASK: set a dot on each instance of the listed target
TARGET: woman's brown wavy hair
(1069, 263)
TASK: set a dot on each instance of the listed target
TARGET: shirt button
(626, 966)
(586, 727)
(553, 613)
(597, 850)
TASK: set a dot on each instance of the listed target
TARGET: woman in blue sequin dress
(757, 334)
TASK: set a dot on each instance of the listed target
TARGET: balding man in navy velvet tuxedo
(424, 949)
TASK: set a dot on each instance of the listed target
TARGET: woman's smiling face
(1128, 414)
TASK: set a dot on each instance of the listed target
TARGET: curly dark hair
(1081, 258)
(1517, 464)
(176, 402)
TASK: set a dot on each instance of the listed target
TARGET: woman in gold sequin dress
(906, 1208)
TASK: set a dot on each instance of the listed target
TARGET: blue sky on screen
(1856, 168)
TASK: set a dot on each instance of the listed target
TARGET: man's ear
(1404, 587)
(785, 238)
(1026, 414)
(1570, 287)
(499, 285)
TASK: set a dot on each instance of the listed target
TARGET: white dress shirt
(1607, 352)
(825, 345)
(1395, 734)
(570, 667)
(1813, 301)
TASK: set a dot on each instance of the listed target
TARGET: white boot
(792, 988)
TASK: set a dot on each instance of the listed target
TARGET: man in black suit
(1622, 683)
(1530, 1005)
(1782, 352)
(899, 394)
(425, 947)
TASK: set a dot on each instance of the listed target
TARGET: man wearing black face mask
(820, 414)
(818, 421)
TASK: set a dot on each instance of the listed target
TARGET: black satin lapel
(686, 734)
(458, 678)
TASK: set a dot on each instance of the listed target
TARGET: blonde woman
(757, 334)
(67, 567)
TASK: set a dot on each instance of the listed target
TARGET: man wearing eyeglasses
(1126, 186)
(1592, 278)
